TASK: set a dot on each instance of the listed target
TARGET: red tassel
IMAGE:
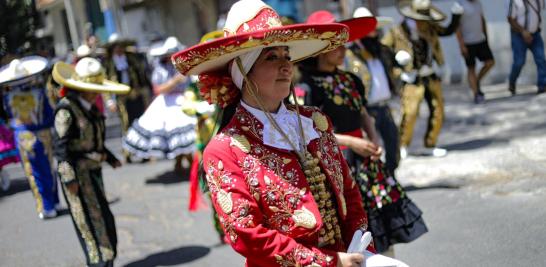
(196, 200)
(62, 92)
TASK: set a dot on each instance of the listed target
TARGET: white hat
(420, 10)
(20, 71)
(363, 12)
(83, 51)
(171, 45)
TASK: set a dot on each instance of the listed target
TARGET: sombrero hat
(169, 46)
(20, 71)
(209, 36)
(87, 76)
(83, 51)
(358, 27)
(116, 38)
(363, 12)
(420, 10)
(250, 25)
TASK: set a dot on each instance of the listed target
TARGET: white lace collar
(288, 122)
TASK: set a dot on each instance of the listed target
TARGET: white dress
(164, 130)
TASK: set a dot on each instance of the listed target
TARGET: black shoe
(512, 89)
(541, 90)
(479, 98)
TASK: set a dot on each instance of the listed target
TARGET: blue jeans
(519, 50)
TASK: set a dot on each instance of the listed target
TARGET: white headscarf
(248, 61)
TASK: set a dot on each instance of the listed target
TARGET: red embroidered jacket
(264, 201)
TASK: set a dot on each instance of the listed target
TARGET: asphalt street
(483, 202)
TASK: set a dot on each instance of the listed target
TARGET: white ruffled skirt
(164, 130)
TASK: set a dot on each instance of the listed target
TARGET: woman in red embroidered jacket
(278, 180)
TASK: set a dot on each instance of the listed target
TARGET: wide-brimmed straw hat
(213, 35)
(87, 76)
(250, 25)
(23, 70)
(358, 27)
(420, 10)
(363, 12)
(166, 47)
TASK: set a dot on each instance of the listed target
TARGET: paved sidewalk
(486, 197)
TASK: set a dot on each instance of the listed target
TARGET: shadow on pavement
(510, 97)
(169, 177)
(474, 144)
(172, 257)
(437, 185)
(17, 186)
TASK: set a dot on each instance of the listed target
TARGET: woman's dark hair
(225, 115)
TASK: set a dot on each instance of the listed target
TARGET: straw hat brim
(407, 11)
(63, 74)
(33, 64)
(359, 27)
(303, 41)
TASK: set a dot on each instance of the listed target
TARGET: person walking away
(473, 42)
(525, 19)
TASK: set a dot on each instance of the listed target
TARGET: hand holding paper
(360, 242)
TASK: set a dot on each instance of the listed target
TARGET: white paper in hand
(376, 260)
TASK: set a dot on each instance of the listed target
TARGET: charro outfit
(128, 69)
(392, 217)
(279, 206)
(31, 118)
(80, 150)
(425, 50)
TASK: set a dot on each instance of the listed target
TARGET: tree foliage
(17, 26)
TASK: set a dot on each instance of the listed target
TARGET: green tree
(17, 25)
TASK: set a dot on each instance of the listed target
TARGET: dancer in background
(164, 131)
(392, 216)
(80, 152)
(30, 114)
(416, 44)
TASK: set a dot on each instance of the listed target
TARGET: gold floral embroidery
(300, 255)
(241, 142)
(320, 121)
(224, 200)
(26, 141)
(62, 122)
(66, 171)
(304, 218)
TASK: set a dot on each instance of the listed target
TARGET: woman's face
(272, 73)
(334, 57)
